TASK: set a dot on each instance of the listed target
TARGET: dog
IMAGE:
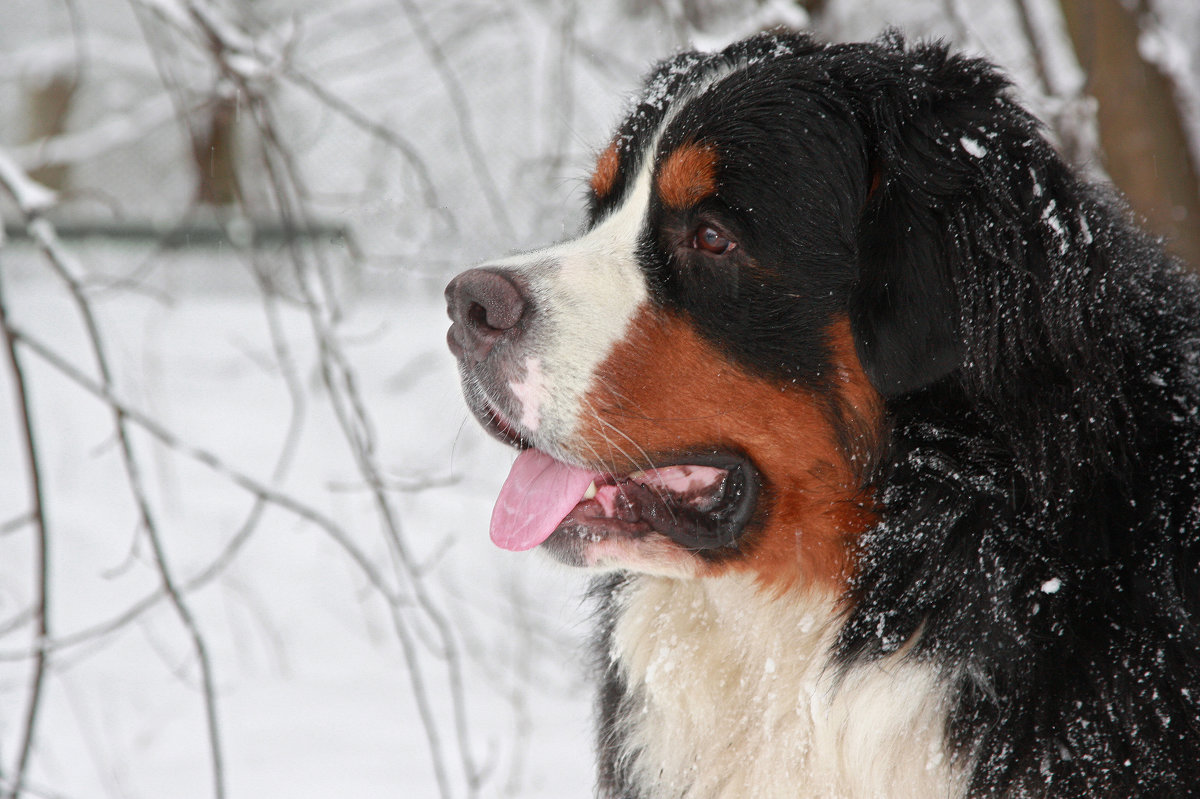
(878, 426)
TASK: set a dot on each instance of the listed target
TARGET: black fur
(614, 701)
(1040, 356)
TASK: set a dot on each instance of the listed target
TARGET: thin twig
(212, 461)
(462, 113)
(67, 271)
(381, 132)
(17, 523)
(41, 607)
(336, 376)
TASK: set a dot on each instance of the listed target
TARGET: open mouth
(701, 503)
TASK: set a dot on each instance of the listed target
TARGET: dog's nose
(483, 305)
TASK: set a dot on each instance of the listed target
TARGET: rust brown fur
(687, 175)
(808, 534)
(604, 176)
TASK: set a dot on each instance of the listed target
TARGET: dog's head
(698, 382)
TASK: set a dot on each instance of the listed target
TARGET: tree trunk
(213, 149)
(49, 105)
(1142, 134)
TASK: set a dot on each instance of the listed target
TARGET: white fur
(741, 701)
(587, 291)
(529, 392)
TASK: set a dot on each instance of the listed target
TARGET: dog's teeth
(591, 491)
(637, 475)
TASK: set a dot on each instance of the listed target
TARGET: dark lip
(496, 423)
(703, 532)
(734, 515)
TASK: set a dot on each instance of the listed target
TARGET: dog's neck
(729, 688)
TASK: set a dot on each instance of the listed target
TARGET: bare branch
(33, 201)
(245, 62)
(41, 609)
(462, 112)
(212, 461)
(364, 562)
(68, 271)
(339, 383)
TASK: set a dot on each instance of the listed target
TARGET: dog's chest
(730, 693)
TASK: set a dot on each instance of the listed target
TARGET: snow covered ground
(313, 690)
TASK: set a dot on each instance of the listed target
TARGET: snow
(31, 197)
(312, 688)
(1172, 50)
(973, 148)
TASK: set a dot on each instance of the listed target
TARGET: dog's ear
(903, 309)
(921, 112)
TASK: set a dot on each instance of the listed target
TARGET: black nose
(483, 305)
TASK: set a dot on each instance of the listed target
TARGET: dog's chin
(651, 554)
(587, 546)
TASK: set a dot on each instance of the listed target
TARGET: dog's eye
(711, 240)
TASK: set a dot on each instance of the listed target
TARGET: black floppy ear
(903, 309)
(921, 111)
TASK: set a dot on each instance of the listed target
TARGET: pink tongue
(538, 494)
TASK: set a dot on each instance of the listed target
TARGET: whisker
(649, 461)
(611, 467)
(645, 456)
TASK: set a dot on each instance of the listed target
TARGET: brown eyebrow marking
(604, 177)
(688, 175)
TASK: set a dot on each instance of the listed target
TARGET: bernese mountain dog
(880, 428)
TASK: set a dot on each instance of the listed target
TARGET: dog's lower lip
(498, 426)
(709, 517)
